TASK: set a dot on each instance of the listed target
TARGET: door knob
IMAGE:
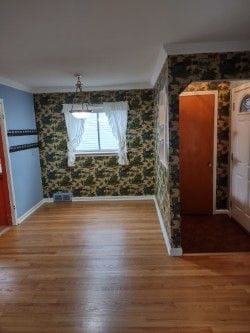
(210, 165)
(1, 171)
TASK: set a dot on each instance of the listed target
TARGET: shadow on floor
(215, 233)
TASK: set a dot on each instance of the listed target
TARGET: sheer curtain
(75, 130)
(117, 114)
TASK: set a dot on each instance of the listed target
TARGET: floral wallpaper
(101, 175)
(177, 73)
(97, 175)
(161, 172)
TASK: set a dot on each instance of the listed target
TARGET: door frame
(7, 162)
(215, 93)
(238, 88)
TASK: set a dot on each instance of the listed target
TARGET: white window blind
(97, 136)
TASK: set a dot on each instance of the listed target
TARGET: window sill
(93, 154)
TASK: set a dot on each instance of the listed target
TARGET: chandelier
(79, 108)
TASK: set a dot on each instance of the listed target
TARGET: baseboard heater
(62, 197)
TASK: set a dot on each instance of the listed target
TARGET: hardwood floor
(2, 228)
(103, 268)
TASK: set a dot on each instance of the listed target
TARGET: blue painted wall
(25, 164)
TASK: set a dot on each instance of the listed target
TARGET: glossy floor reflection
(103, 268)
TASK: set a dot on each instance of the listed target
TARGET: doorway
(198, 133)
(204, 120)
(6, 202)
(240, 155)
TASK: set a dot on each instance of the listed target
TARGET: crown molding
(195, 48)
(40, 90)
(162, 56)
(14, 84)
(208, 47)
(165, 50)
(140, 85)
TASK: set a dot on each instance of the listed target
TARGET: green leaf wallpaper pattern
(93, 176)
(177, 73)
(100, 175)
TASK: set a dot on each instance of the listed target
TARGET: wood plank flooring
(2, 229)
(103, 268)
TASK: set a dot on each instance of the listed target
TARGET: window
(97, 137)
(245, 104)
(94, 135)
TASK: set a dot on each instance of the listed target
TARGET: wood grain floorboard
(103, 268)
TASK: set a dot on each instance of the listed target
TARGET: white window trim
(100, 152)
(97, 153)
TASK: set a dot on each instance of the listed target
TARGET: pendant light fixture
(79, 109)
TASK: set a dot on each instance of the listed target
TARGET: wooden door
(240, 149)
(196, 153)
(5, 212)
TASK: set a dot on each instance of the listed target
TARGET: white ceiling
(112, 43)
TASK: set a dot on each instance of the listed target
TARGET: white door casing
(3, 131)
(240, 158)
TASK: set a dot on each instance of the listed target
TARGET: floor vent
(62, 197)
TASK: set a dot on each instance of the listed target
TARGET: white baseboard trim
(109, 198)
(175, 252)
(221, 211)
(48, 200)
(29, 212)
(3, 231)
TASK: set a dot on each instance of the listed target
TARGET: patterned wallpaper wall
(222, 171)
(162, 173)
(97, 176)
(178, 72)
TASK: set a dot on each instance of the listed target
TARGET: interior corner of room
(35, 174)
(124, 166)
(39, 161)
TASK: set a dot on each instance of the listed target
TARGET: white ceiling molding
(236, 83)
(140, 85)
(208, 47)
(43, 43)
(15, 85)
(158, 66)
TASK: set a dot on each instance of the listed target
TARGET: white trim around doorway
(215, 93)
(8, 163)
(240, 85)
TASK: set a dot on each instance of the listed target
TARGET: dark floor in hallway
(216, 233)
